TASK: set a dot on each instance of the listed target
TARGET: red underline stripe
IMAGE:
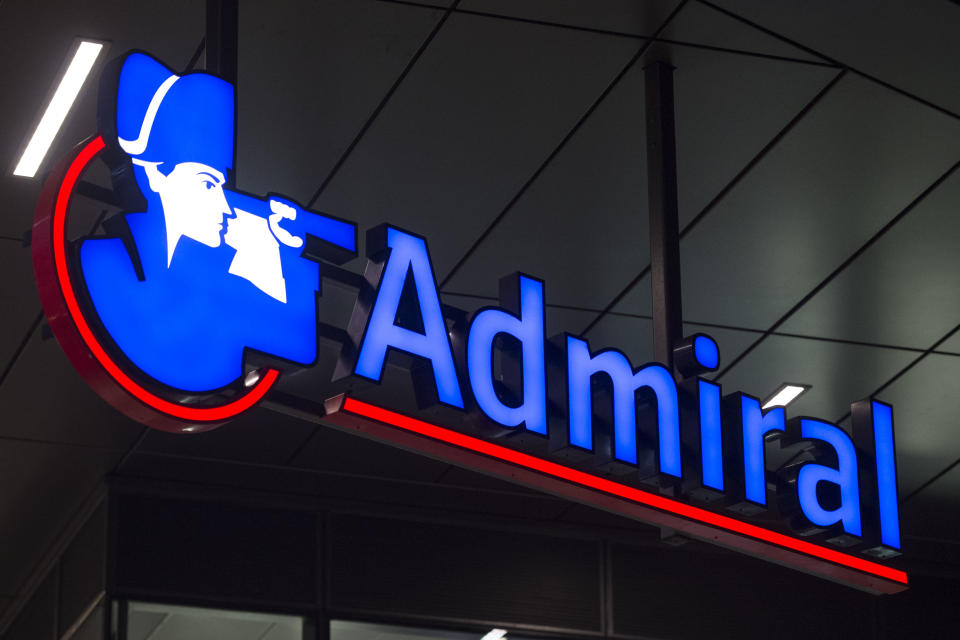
(197, 414)
(620, 490)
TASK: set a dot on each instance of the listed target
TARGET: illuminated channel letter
(409, 254)
(524, 296)
(845, 476)
(873, 430)
(711, 436)
(581, 366)
(756, 424)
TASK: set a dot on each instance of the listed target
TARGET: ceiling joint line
(858, 72)
(133, 449)
(910, 365)
(619, 34)
(950, 467)
(272, 466)
(754, 161)
(560, 146)
(200, 50)
(720, 325)
(357, 385)
(382, 104)
(839, 269)
(38, 319)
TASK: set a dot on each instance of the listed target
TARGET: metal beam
(662, 200)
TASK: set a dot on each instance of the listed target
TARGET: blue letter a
(408, 254)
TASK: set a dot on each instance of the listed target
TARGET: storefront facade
(809, 197)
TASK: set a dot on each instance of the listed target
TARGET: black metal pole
(221, 48)
(662, 199)
(221, 39)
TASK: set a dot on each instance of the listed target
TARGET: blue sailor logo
(203, 273)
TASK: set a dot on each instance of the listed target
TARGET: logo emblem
(198, 295)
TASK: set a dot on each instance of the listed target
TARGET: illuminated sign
(195, 301)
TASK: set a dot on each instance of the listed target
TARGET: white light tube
(58, 108)
(786, 394)
(495, 634)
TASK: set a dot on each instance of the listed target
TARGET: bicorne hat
(165, 118)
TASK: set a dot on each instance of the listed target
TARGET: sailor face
(193, 202)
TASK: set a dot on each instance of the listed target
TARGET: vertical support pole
(662, 199)
(221, 50)
(221, 39)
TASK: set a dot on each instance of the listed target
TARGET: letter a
(409, 254)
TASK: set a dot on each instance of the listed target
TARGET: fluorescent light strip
(786, 394)
(495, 634)
(58, 108)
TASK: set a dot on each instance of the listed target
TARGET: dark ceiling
(818, 151)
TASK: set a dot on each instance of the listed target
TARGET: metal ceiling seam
(617, 34)
(854, 70)
(950, 467)
(893, 379)
(720, 325)
(780, 135)
(230, 462)
(843, 265)
(199, 51)
(383, 103)
(910, 365)
(51, 557)
(560, 146)
(20, 347)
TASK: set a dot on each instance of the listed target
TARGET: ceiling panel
(882, 296)
(259, 436)
(41, 485)
(846, 169)
(44, 398)
(333, 450)
(626, 16)
(925, 415)
(18, 297)
(465, 129)
(840, 373)
(41, 39)
(589, 208)
(933, 513)
(311, 73)
(910, 45)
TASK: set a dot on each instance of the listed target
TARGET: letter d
(523, 297)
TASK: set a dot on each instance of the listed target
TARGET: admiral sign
(199, 298)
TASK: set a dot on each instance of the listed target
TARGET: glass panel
(347, 630)
(148, 621)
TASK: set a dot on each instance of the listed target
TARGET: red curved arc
(195, 414)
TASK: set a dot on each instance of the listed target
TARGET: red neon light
(195, 414)
(442, 434)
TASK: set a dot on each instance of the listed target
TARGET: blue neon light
(528, 329)
(845, 476)
(711, 436)
(886, 474)
(409, 253)
(706, 352)
(581, 367)
(756, 424)
(221, 271)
